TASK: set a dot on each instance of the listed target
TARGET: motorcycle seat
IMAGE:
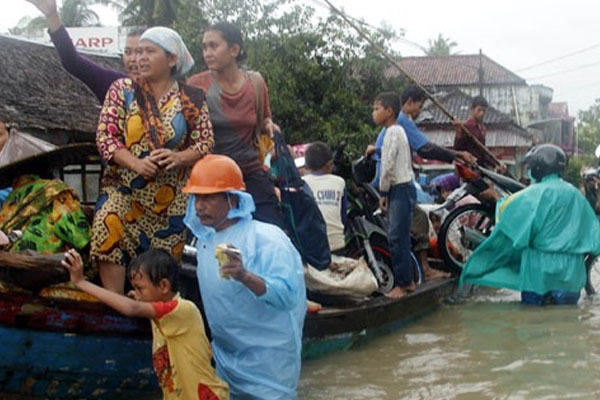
(505, 182)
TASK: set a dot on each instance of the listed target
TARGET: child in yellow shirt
(180, 350)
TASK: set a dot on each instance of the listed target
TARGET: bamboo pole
(412, 80)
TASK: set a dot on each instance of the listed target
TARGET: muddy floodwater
(487, 347)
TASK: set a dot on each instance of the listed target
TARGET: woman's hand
(74, 264)
(146, 167)
(168, 159)
(47, 7)
(269, 127)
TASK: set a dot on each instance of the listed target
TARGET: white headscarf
(171, 42)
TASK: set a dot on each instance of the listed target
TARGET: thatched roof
(38, 94)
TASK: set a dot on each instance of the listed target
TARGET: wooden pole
(412, 80)
(31, 261)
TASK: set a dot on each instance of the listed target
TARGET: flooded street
(489, 347)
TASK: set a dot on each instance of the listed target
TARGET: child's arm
(122, 304)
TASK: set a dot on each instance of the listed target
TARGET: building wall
(527, 104)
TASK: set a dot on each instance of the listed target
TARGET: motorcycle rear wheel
(461, 230)
(384, 263)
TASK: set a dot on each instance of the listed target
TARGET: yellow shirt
(181, 353)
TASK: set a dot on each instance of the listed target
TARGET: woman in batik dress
(150, 132)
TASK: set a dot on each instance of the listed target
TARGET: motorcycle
(591, 184)
(466, 226)
(591, 189)
(366, 226)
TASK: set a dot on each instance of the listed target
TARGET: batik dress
(49, 215)
(134, 214)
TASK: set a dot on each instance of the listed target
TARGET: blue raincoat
(257, 340)
(539, 242)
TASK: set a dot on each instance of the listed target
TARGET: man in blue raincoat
(541, 237)
(255, 302)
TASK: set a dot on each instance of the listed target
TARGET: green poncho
(539, 242)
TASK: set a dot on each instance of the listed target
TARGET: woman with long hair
(238, 101)
(150, 131)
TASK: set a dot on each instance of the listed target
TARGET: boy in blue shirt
(412, 100)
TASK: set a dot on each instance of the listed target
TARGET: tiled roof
(459, 104)
(457, 70)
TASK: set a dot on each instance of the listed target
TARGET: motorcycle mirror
(597, 152)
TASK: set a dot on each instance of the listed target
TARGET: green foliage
(588, 129)
(321, 76)
(151, 12)
(73, 13)
(441, 46)
(28, 25)
(575, 167)
(78, 13)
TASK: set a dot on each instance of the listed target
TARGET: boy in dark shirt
(475, 126)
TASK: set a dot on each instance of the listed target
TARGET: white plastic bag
(22, 145)
(345, 277)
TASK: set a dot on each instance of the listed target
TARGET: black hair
(136, 31)
(414, 93)
(389, 100)
(157, 264)
(317, 155)
(479, 101)
(232, 35)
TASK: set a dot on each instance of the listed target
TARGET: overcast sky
(514, 33)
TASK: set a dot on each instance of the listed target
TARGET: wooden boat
(77, 348)
(340, 327)
(60, 343)
(65, 349)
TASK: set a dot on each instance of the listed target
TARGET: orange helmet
(214, 174)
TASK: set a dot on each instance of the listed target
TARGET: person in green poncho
(541, 237)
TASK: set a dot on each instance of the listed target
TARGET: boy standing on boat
(181, 353)
(398, 194)
(254, 296)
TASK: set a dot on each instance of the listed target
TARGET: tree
(150, 12)
(73, 13)
(588, 129)
(441, 46)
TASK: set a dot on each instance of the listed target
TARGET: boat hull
(62, 365)
(335, 329)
